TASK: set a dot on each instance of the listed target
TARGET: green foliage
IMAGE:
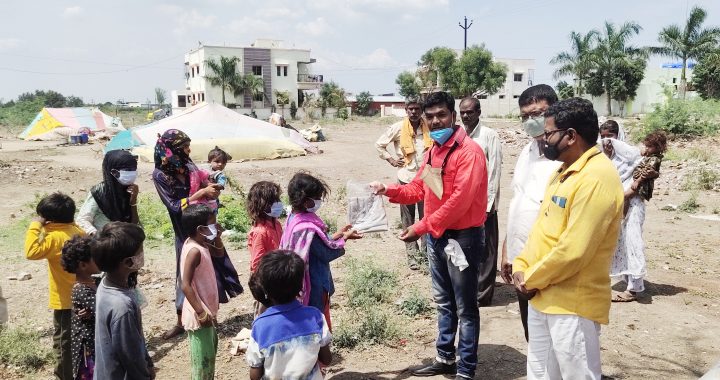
(564, 90)
(368, 283)
(21, 347)
(690, 205)
(20, 113)
(363, 101)
(374, 327)
(706, 76)
(223, 74)
(249, 84)
(476, 71)
(409, 84)
(342, 113)
(331, 96)
(692, 117)
(154, 218)
(282, 98)
(233, 215)
(415, 304)
(577, 62)
(293, 110)
(626, 78)
(160, 96)
(435, 66)
(701, 179)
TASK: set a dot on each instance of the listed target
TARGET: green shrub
(375, 327)
(154, 218)
(342, 113)
(693, 117)
(233, 215)
(22, 348)
(690, 205)
(415, 304)
(701, 179)
(369, 284)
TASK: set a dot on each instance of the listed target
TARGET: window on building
(518, 77)
(516, 96)
(258, 97)
(257, 70)
(282, 70)
(202, 96)
(501, 97)
(674, 80)
(285, 71)
(482, 97)
(182, 101)
(279, 70)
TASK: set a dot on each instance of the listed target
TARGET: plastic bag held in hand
(366, 211)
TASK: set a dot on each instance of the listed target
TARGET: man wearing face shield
(531, 174)
(489, 141)
(449, 181)
(564, 268)
(410, 138)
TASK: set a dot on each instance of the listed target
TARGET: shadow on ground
(652, 290)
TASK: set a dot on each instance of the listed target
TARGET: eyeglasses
(549, 134)
(533, 115)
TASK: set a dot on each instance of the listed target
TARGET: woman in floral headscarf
(172, 181)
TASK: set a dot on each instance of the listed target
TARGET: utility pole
(465, 29)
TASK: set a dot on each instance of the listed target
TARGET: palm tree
(225, 73)
(249, 84)
(577, 61)
(283, 98)
(690, 42)
(612, 50)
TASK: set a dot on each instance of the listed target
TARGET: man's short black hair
(578, 114)
(471, 99)
(115, 242)
(439, 98)
(537, 93)
(193, 217)
(278, 278)
(56, 207)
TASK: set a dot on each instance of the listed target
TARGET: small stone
(12, 278)
(25, 276)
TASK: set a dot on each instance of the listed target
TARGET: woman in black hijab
(115, 198)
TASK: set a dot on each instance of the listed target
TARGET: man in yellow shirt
(564, 266)
(44, 240)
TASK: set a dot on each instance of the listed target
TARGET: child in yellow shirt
(44, 240)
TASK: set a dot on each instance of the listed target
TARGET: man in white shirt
(530, 177)
(410, 138)
(489, 141)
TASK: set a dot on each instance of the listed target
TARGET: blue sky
(105, 51)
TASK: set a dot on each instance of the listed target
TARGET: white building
(281, 68)
(651, 91)
(520, 75)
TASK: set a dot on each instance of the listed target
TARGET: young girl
(199, 310)
(289, 340)
(306, 235)
(76, 259)
(264, 208)
(629, 260)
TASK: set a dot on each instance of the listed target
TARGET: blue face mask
(441, 136)
(276, 210)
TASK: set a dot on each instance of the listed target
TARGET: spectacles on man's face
(534, 114)
(548, 134)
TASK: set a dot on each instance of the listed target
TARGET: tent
(59, 123)
(210, 125)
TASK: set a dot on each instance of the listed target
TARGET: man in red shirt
(450, 180)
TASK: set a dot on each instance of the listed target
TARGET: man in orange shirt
(448, 181)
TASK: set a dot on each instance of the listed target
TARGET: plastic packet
(366, 211)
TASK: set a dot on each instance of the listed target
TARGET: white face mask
(276, 210)
(316, 207)
(126, 177)
(138, 261)
(213, 232)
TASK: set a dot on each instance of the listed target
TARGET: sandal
(173, 332)
(623, 297)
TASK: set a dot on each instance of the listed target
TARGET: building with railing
(282, 69)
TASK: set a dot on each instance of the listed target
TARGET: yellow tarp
(44, 124)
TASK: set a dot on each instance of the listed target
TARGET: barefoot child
(264, 208)
(288, 340)
(200, 308)
(44, 240)
(76, 259)
(120, 349)
(306, 235)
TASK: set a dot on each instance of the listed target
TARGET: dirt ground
(671, 333)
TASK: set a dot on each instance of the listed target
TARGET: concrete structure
(280, 67)
(385, 105)
(520, 76)
(651, 91)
